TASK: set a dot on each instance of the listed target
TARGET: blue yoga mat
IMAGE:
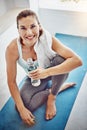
(10, 119)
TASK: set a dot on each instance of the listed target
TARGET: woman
(55, 62)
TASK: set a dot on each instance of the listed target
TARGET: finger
(29, 122)
(35, 77)
(32, 116)
(32, 121)
(33, 74)
(33, 71)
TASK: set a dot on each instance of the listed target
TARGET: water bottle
(32, 66)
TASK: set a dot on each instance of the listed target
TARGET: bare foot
(66, 86)
(51, 107)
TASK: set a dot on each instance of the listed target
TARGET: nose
(29, 31)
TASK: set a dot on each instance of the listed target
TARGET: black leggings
(33, 97)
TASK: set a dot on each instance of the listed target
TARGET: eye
(22, 28)
(33, 26)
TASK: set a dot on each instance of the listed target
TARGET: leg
(30, 94)
(66, 86)
(51, 107)
(38, 99)
(57, 82)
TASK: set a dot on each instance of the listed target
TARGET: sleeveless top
(43, 50)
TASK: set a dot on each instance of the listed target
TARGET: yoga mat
(10, 119)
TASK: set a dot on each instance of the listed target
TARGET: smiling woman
(54, 62)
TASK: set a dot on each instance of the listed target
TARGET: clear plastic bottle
(31, 67)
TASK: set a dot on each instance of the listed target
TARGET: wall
(2, 7)
(9, 4)
(6, 5)
(67, 22)
(22, 3)
(34, 5)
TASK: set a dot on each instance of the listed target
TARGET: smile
(30, 37)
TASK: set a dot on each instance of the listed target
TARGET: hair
(26, 13)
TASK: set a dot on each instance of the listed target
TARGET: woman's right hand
(27, 116)
(11, 69)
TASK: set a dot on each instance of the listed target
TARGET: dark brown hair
(26, 13)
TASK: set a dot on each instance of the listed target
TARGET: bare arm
(11, 59)
(72, 59)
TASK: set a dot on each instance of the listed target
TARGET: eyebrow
(25, 26)
(22, 26)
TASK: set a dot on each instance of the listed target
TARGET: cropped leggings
(34, 97)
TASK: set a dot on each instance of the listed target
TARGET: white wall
(34, 5)
(6, 5)
(9, 4)
(68, 22)
(21, 3)
(2, 7)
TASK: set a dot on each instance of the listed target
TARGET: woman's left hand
(39, 73)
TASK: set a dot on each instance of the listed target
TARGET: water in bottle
(32, 66)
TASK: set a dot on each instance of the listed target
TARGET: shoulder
(12, 49)
(12, 46)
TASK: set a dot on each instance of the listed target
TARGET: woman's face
(28, 29)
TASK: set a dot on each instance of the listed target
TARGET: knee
(57, 60)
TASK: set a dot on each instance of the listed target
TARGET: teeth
(30, 37)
